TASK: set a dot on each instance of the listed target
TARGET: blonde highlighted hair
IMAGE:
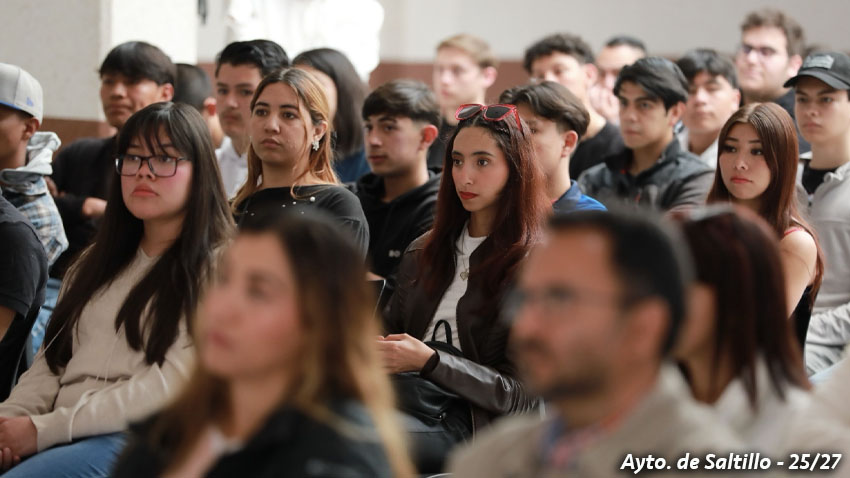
(319, 162)
(339, 360)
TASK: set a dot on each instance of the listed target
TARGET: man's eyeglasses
(488, 112)
(762, 51)
(161, 166)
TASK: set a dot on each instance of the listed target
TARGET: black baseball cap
(830, 67)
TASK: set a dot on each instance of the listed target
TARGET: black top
(812, 178)
(678, 178)
(786, 101)
(394, 225)
(337, 201)
(802, 315)
(437, 151)
(23, 275)
(291, 444)
(593, 151)
(83, 169)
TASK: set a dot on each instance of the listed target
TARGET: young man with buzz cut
(557, 122)
(822, 99)
(399, 195)
(653, 171)
(239, 69)
(568, 60)
(464, 68)
(713, 96)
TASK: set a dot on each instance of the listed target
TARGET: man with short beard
(596, 311)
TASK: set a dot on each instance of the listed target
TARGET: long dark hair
(736, 253)
(778, 203)
(518, 224)
(172, 286)
(338, 328)
(351, 92)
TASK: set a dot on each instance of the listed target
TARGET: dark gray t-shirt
(23, 275)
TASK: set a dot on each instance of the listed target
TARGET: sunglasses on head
(488, 112)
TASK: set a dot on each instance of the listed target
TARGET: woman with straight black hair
(117, 346)
(451, 282)
(737, 346)
(346, 93)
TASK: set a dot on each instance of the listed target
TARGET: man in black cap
(822, 104)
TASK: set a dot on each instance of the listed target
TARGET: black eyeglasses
(161, 166)
(489, 112)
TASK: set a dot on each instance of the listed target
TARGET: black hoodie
(394, 225)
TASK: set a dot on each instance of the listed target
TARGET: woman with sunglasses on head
(451, 281)
(736, 345)
(757, 169)
(289, 158)
(346, 93)
(117, 345)
(288, 382)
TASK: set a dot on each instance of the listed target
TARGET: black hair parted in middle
(659, 77)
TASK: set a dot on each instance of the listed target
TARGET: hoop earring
(315, 145)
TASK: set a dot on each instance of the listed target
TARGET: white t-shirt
(234, 168)
(447, 310)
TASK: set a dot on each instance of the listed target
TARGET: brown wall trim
(511, 74)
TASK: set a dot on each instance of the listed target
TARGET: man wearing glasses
(770, 53)
(595, 313)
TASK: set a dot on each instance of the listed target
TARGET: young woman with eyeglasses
(490, 210)
(117, 345)
(736, 345)
(289, 158)
(288, 382)
(757, 169)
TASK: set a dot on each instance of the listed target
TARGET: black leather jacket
(485, 375)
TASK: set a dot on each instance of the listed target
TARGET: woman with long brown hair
(757, 169)
(490, 210)
(290, 155)
(736, 345)
(288, 382)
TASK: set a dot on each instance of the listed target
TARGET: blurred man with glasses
(596, 311)
(772, 44)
